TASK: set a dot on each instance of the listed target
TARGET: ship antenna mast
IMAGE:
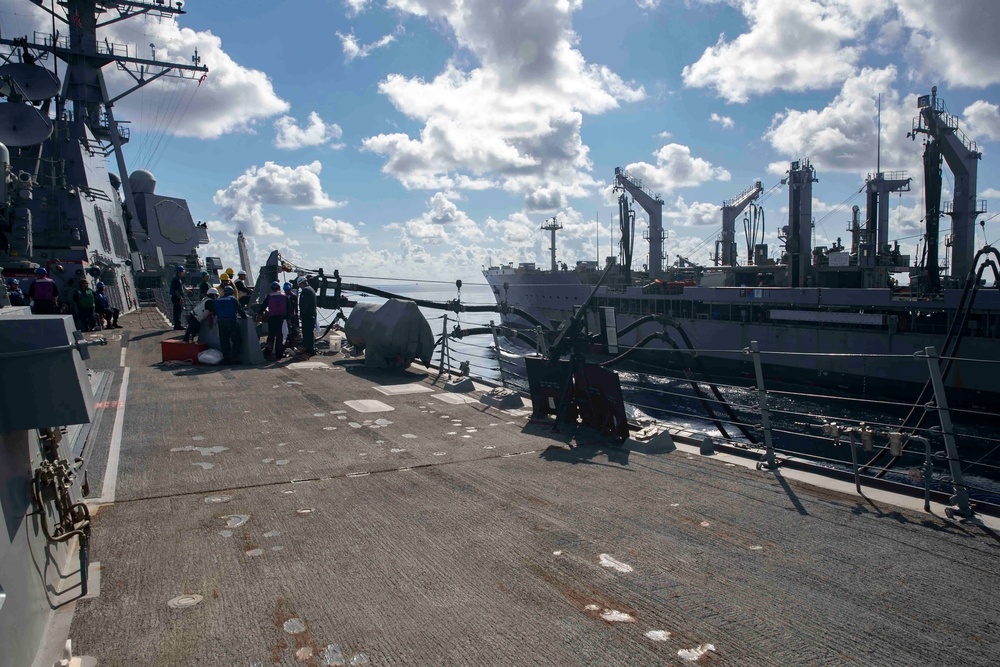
(878, 139)
(553, 227)
(86, 56)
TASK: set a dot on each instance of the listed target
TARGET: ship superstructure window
(102, 228)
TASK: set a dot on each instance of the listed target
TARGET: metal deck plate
(400, 389)
(455, 399)
(368, 405)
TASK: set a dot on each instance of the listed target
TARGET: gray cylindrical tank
(142, 181)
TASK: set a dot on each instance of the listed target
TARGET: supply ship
(832, 316)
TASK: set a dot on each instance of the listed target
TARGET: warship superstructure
(64, 209)
(68, 210)
(828, 316)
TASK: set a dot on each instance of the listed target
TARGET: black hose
(955, 331)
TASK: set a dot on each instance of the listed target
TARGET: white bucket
(334, 345)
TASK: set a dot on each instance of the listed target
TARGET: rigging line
(161, 122)
(173, 133)
(839, 206)
(417, 282)
(166, 129)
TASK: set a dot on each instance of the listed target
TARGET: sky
(424, 139)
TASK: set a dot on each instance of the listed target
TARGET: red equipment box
(178, 350)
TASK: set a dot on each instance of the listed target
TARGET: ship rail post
(445, 366)
(496, 346)
(961, 493)
(767, 461)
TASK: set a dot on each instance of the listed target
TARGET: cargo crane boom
(653, 206)
(731, 210)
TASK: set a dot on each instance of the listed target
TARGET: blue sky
(422, 138)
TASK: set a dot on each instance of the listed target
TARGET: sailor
(204, 312)
(44, 293)
(14, 292)
(85, 301)
(293, 313)
(307, 313)
(276, 311)
(225, 282)
(242, 290)
(204, 285)
(228, 311)
(105, 311)
(177, 296)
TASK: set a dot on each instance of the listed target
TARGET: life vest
(225, 308)
(277, 305)
(85, 298)
(16, 298)
(44, 289)
(200, 311)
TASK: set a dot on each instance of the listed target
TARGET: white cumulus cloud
(843, 135)
(289, 136)
(954, 41)
(792, 45)
(982, 120)
(242, 202)
(514, 120)
(338, 230)
(724, 121)
(676, 168)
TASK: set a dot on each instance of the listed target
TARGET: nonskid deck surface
(436, 533)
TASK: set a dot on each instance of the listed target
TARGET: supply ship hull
(854, 340)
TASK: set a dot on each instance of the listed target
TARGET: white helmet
(212, 291)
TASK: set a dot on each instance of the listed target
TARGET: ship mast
(92, 113)
(552, 226)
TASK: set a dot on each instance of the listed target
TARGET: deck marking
(692, 654)
(614, 564)
(658, 635)
(121, 359)
(615, 616)
(110, 484)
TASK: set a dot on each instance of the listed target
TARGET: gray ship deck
(430, 540)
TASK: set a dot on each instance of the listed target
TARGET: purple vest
(277, 305)
(45, 290)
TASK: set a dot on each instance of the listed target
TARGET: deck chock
(502, 399)
(661, 443)
(463, 385)
(707, 446)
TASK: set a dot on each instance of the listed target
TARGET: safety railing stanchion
(445, 362)
(961, 497)
(496, 346)
(767, 462)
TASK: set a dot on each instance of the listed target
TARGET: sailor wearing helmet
(14, 292)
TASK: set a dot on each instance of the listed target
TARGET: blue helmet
(229, 290)
(13, 282)
(41, 272)
(275, 285)
(287, 287)
(99, 285)
(178, 268)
